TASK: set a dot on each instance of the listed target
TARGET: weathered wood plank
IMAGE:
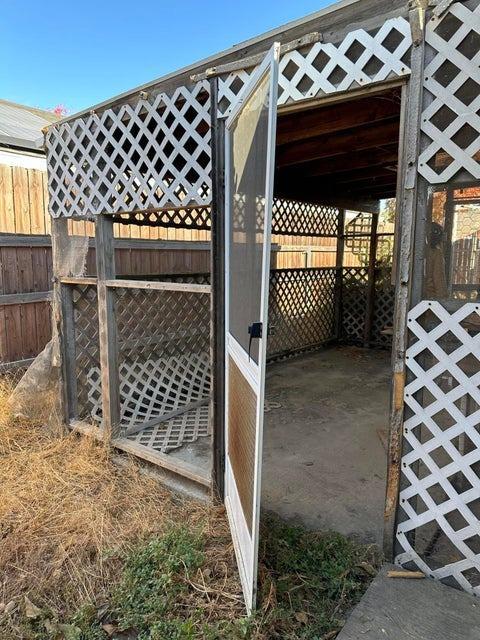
(109, 362)
(20, 199)
(158, 286)
(7, 209)
(24, 298)
(35, 201)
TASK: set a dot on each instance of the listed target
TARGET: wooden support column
(406, 212)
(217, 270)
(109, 360)
(372, 255)
(339, 275)
(63, 329)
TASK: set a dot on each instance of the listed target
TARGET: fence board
(7, 208)
(21, 201)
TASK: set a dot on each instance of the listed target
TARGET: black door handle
(254, 331)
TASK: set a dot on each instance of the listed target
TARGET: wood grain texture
(242, 409)
(412, 610)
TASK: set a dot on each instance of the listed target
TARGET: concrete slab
(324, 460)
(399, 609)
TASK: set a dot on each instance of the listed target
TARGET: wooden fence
(26, 258)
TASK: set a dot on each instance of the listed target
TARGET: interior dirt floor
(325, 438)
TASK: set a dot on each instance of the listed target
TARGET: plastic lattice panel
(301, 309)
(294, 218)
(176, 432)
(152, 154)
(361, 58)
(438, 528)
(451, 85)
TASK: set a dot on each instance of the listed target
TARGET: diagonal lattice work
(301, 310)
(363, 57)
(357, 234)
(289, 217)
(164, 342)
(176, 432)
(294, 218)
(87, 349)
(150, 155)
(439, 504)
(198, 218)
(354, 302)
(451, 83)
(383, 308)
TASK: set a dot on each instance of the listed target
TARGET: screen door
(249, 169)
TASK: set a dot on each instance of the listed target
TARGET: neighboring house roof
(21, 126)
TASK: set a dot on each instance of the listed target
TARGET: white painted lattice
(176, 432)
(154, 387)
(151, 154)
(438, 529)
(360, 59)
(450, 118)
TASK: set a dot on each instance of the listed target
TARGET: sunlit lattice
(451, 84)
(361, 58)
(439, 502)
(155, 153)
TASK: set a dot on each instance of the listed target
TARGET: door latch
(254, 331)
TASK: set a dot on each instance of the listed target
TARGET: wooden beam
(409, 147)
(109, 360)
(369, 307)
(154, 285)
(367, 137)
(25, 298)
(294, 127)
(63, 342)
(340, 163)
(338, 274)
(253, 61)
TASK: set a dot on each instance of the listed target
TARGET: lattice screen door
(249, 168)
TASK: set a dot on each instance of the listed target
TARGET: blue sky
(80, 52)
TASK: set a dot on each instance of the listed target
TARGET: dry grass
(68, 514)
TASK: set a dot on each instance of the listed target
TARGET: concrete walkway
(399, 609)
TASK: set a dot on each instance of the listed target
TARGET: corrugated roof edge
(341, 4)
(42, 113)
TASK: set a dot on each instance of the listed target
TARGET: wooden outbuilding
(307, 131)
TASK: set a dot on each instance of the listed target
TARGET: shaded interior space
(328, 392)
(326, 417)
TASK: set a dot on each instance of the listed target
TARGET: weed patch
(92, 551)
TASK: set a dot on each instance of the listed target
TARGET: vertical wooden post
(105, 256)
(339, 274)
(370, 302)
(63, 330)
(407, 207)
(217, 271)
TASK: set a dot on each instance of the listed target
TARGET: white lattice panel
(452, 91)
(134, 157)
(438, 528)
(176, 432)
(360, 59)
(153, 387)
